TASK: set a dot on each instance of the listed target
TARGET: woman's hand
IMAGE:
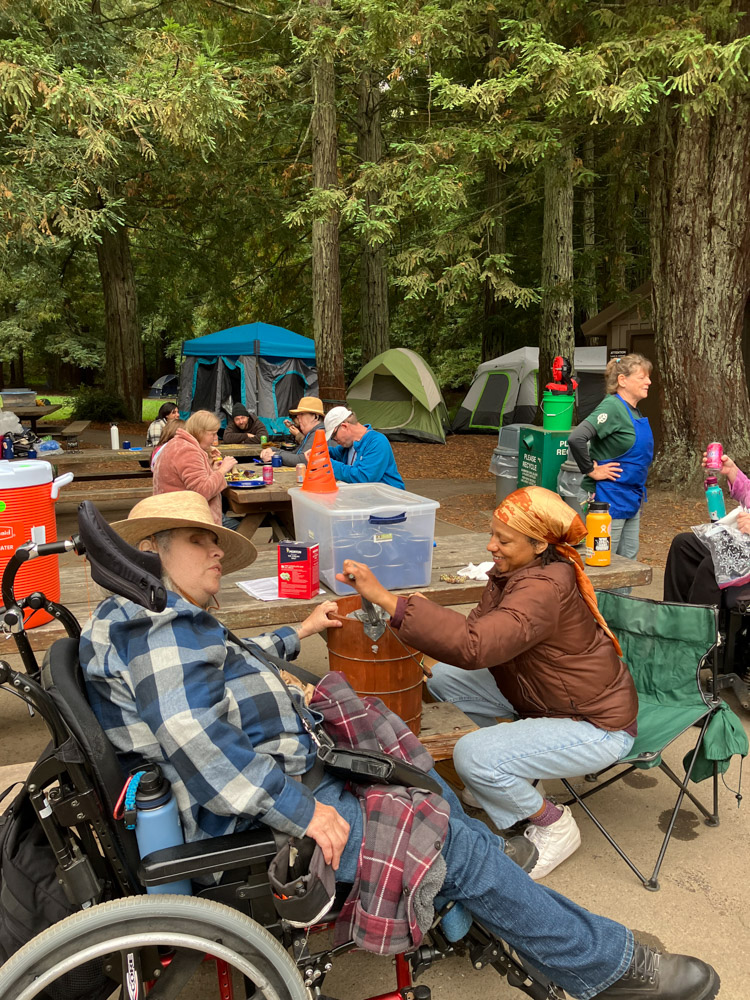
(367, 585)
(728, 467)
(743, 522)
(606, 470)
(320, 620)
(330, 830)
(227, 464)
(295, 432)
(266, 455)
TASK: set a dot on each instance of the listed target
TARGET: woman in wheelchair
(176, 688)
(534, 665)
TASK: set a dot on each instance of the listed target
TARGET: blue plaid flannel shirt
(170, 688)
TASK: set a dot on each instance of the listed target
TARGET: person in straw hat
(535, 651)
(177, 689)
(307, 418)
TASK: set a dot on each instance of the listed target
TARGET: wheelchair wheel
(153, 944)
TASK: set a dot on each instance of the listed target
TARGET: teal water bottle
(714, 498)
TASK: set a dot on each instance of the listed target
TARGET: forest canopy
(455, 176)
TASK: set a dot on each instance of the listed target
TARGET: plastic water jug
(27, 514)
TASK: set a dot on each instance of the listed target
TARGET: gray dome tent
(504, 390)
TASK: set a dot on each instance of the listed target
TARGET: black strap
(316, 733)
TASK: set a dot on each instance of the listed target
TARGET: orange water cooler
(28, 492)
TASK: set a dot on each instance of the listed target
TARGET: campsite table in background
(239, 611)
(270, 503)
(32, 413)
(79, 462)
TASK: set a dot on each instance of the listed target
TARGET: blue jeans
(626, 541)
(499, 762)
(581, 952)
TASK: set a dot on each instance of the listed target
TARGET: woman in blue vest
(614, 448)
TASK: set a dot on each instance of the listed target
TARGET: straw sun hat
(309, 404)
(184, 509)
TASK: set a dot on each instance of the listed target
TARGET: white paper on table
(265, 589)
(478, 572)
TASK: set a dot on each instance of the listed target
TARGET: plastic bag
(9, 423)
(729, 548)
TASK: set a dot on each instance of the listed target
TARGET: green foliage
(99, 405)
(187, 122)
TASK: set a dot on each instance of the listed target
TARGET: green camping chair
(666, 646)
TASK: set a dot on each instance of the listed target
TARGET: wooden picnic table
(78, 461)
(239, 611)
(269, 503)
(33, 413)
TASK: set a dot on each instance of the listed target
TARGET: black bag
(32, 899)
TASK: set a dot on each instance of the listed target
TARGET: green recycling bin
(541, 452)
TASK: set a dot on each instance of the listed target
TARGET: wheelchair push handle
(33, 550)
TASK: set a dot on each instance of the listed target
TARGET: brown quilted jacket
(540, 641)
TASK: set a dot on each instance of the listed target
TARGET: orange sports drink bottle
(598, 534)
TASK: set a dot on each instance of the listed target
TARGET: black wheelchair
(124, 942)
(734, 661)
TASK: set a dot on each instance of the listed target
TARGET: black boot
(522, 851)
(664, 977)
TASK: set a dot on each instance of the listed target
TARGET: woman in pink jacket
(187, 462)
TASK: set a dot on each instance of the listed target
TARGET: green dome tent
(397, 393)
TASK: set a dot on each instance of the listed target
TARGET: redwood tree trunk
(123, 344)
(374, 319)
(492, 328)
(556, 335)
(326, 279)
(589, 303)
(700, 245)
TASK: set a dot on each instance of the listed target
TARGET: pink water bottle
(714, 454)
(267, 473)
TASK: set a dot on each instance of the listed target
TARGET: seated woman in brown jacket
(536, 650)
(188, 462)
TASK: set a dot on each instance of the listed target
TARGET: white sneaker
(555, 842)
(469, 798)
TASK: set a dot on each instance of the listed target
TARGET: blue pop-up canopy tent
(261, 365)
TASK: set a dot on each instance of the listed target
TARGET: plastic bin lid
(363, 498)
(14, 475)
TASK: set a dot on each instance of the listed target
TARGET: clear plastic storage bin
(388, 529)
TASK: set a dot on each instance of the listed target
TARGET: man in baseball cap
(359, 453)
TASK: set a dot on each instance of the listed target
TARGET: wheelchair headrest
(118, 566)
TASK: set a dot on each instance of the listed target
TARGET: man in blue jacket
(361, 454)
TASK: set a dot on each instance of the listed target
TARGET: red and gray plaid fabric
(404, 828)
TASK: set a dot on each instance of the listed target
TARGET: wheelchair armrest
(204, 857)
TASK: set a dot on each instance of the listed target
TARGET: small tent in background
(265, 367)
(504, 390)
(397, 393)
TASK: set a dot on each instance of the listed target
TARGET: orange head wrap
(541, 514)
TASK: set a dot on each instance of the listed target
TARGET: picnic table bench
(239, 611)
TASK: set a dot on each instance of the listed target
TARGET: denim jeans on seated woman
(580, 951)
(499, 761)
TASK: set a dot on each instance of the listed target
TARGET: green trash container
(557, 411)
(541, 452)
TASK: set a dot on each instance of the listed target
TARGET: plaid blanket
(401, 867)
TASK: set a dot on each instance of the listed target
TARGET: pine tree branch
(245, 10)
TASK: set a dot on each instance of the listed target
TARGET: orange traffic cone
(319, 477)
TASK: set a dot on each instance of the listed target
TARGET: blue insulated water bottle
(157, 820)
(8, 452)
(714, 498)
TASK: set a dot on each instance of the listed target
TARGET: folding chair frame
(713, 702)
